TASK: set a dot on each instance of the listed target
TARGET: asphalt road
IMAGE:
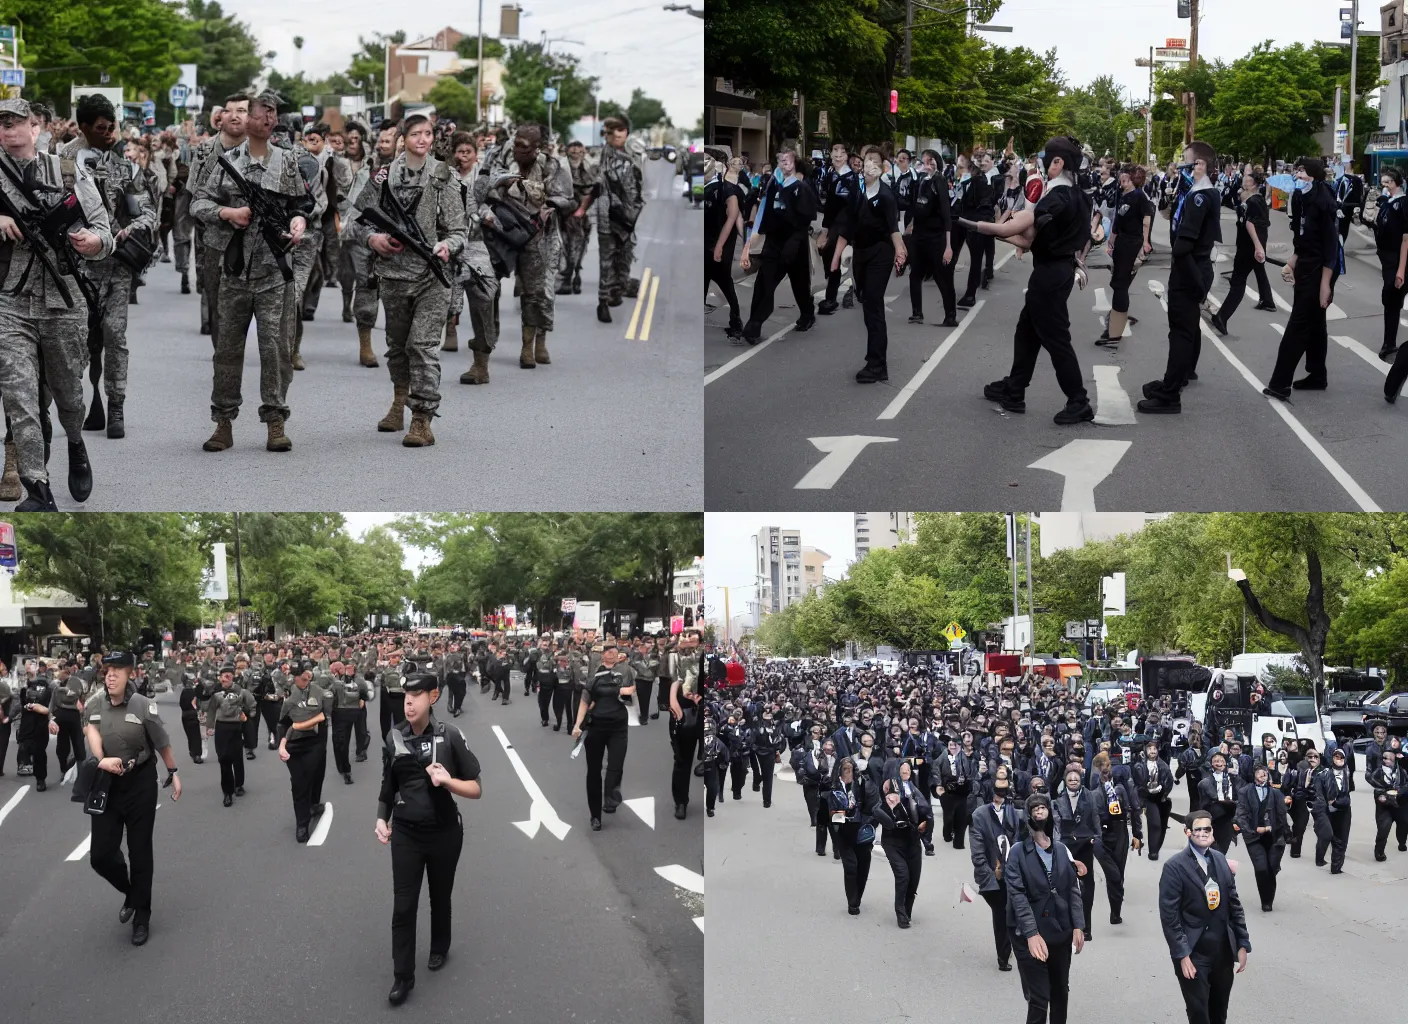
(786, 422)
(623, 395)
(248, 926)
(1318, 956)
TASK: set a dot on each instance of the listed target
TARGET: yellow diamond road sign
(954, 632)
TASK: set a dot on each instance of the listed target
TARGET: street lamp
(1238, 576)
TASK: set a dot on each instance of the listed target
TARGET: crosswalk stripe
(12, 803)
(678, 874)
(897, 404)
(1111, 401)
(1362, 351)
(320, 831)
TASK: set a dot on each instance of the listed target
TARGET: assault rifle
(271, 213)
(394, 220)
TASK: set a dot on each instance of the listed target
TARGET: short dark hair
(1202, 151)
(355, 126)
(321, 128)
(1313, 166)
(1394, 173)
(92, 107)
(1194, 816)
(612, 124)
(458, 139)
(236, 97)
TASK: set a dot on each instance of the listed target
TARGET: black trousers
(643, 688)
(738, 774)
(547, 690)
(1300, 814)
(713, 787)
(1205, 996)
(454, 681)
(980, 249)
(561, 698)
(997, 900)
(1332, 832)
(1392, 298)
(70, 747)
(364, 739)
(34, 750)
(1244, 264)
(344, 720)
(688, 745)
(416, 854)
(790, 260)
(131, 806)
(1156, 814)
(1047, 986)
(609, 741)
(720, 272)
(1122, 270)
(269, 711)
(828, 252)
(958, 237)
(855, 862)
(1045, 323)
(926, 259)
(662, 694)
(393, 710)
(820, 819)
(250, 728)
(957, 817)
(502, 686)
(229, 738)
(530, 676)
(1085, 853)
(1386, 818)
(1188, 284)
(871, 269)
(1222, 833)
(1306, 334)
(307, 763)
(4, 743)
(766, 763)
(194, 740)
(1112, 851)
(1266, 864)
(906, 857)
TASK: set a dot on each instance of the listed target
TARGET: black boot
(185, 283)
(96, 420)
(80, 473)
(576, 282)
(116, 427)
(40, 499)
(603, 313)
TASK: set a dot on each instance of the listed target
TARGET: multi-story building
(689, 586)
(1393, 70)
(813, 578)
(414, 68)
(881, 530)
(778, 564)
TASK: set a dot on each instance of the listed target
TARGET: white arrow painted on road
(678, 874)
(1111, 402)
(320, 832)
(12, 803)
(644, 806)
(841, 452)
(1085, 463)
(1362, 351)
(540, 812)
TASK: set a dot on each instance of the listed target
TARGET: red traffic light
(894, 101)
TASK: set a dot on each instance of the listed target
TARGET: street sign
(1075, 630)
(1176, 43)
(12, 76)
(954, 632)
(822, 125)
(549, 95)
(587, 615)
(177, 95)
(1169, 53)
(7, 33)
(195, 101)
(569, 605)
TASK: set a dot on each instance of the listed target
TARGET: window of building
(1390, 19)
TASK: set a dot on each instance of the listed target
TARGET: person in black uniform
(303, 745)
(226, 712)
(1253, 223)
(1313, 267)
(427, 765)
(1332, 812)
(1390, 803)
(605, 702)
(958, 768)
(739, 737)
(1217, 794)
(722, 217)
(715, 764)
(1077, 817)
(68, 717)
(768, 745)
(349, 700)
(905, 816)
(190, 718)
(1391, 241)
(1118, 806)
(850, 799)
(877, 248)
(1203, 923)
(997, 827)
(927, 230)
(1132, 222)
(1349, 197)
(978, 206)
(125, 734)
(785, 213)
(1196, 230)
(1045, 922)
(1261, 820)
(1153, 784)
(839, 188)
(1298, 787)
(36, 708)
(1057, 230)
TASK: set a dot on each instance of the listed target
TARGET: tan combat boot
(525, 358)
(297, 352)
(540, 349)
(10, 489)
(396, 418)
(479, 372)
(419, 436)
(368, 357)
(223, 437)
(278, 440)
(452, 338)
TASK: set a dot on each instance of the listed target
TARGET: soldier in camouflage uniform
(477, 280)
(359, 285)
(306, 256)
(212, 238)
(542, 186)
(463, 160)
(251, 284)
(337, 176)
(576, 228)
(415, 301)
(617, 210)
(38, 330)
(129, 210)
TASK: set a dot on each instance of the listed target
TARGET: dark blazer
(1081, 826)
(1328, 795)
(1251, 813)
(968, 766)
(1140, 773)
(984, 845)
(1183, 907)
(893, 821)
(1038, 906)
(1210, 800)
(1384, 780)
(845, 745)
(1129, 807)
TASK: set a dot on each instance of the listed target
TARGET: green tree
(468, 48)
(778, 633)
(610, 108)
(527, 70)
(645, 111)
(453, 99)
(1268, 102)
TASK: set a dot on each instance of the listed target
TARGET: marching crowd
(103, 711)
(1012, 769)
(260, 212)
(900, 212)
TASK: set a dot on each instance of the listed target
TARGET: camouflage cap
(16, 107)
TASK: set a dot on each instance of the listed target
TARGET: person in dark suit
(847, 738)
(997, 827)
(1390, 803)
(1044, 916)
(1261, 818)
(1118, 808)
(1203, 923)
(817, 769)
(1298, 786)
(1153, 783)
(1190, 764)
(1077, 827)
(851, 798)
(1218, 794)
(906, 817)
(1332, 812)
(958, 768)
(1046, 764)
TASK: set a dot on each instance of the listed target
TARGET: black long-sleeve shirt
(929, 206)
(874, 218)
(1317, 241)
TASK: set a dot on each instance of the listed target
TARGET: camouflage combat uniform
(359, 284)
(616, 213)
(306, 257)
(337, 177)
(576, 233)
(210, 239)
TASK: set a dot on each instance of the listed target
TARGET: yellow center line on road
(640, 301)
(650, 309)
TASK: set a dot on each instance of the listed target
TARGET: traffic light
(894, 101)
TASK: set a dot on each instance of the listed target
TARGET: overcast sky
(728, 551)
(1103, 37)
(625, 43)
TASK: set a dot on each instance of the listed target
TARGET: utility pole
(1031, 606)
(1191, 123)
(908, 33)
(1353, 70)
(239, 578)
(479, 72)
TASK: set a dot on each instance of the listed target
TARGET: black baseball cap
(120, 659)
